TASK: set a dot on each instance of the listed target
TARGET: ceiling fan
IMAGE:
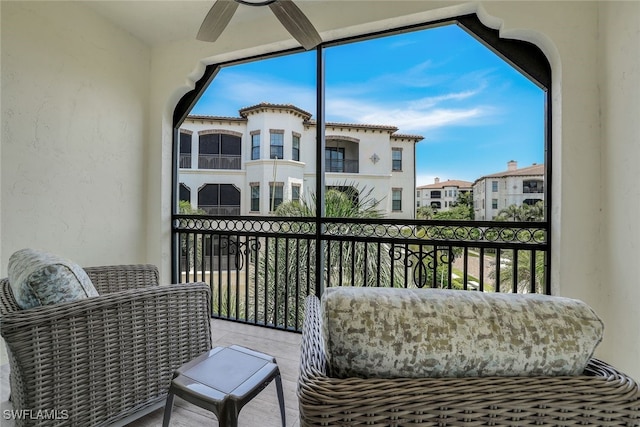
(289, 15)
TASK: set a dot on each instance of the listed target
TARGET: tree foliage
(282, 260)
(461, 209)
(522, 212)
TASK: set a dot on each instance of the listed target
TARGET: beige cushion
(391, 333)
(39, 278)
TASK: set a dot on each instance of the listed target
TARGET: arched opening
(185, 193)
(219, 199)
(218, 150)
(305, 135)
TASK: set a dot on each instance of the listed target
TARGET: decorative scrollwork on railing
(423, 261)
(485, 232)
(238, 249)
(245, 225)
(503, 233)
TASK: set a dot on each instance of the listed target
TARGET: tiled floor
(263, 411)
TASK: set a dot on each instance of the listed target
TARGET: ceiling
(157, 22)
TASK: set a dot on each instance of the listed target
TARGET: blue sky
(475, 111)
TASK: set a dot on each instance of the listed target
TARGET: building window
(532, 186)
(255, 197)
(255, 146)
(418, 204)
(219, 151)
(295, 192)
(185, 150)
(334, 159)
(185, 193)
(219, 199)
(436, 194)
(277, 145)
(275, 195)
(494, 203)
(417, 193)
(494, 186)
(295, 150)
(396, 159)
(396, 199)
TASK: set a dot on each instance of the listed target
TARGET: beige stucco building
(248, 165)
(441, 195)
(514, 186)
(89, 89)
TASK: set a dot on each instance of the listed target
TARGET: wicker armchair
(601, 397)
(103, 359)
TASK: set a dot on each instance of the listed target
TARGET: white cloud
(244, 90)
(417, 115)
(412, 116)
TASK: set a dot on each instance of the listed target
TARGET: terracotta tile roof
(355, 125)
(407, 136)
(447, 183)
(267, 105)
(533, 170)
(244, 112)
(220, 118)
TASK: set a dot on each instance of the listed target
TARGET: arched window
(348, 132)
(219, 151)
(219, 199)
(185, 193)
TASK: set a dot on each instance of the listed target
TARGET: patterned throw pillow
(417, 333)
(38, 278)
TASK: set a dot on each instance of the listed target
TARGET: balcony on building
(341, 155)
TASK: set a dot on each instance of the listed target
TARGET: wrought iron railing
(220, 210)
(261, 269)
(342, 165)
(185, 161)
(219, 161)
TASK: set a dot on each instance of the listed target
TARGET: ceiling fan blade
(216, 20)
(295, 21)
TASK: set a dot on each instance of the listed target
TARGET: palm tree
(511, 213)
(523, 272)
(349, 263)
(522, 213)
(535, 212)
(425, 212)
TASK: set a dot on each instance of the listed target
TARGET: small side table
(223, 381)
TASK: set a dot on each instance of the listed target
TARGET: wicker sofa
(601, 396)
(108, 358)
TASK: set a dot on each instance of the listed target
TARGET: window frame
(526, 57)
(396, 203)
(295, 146)
(295, 192)
(254, 188)
(278, 137)
(396, 164)
(255, 136)
(275, 199)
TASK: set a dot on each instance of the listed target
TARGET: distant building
(492, 193)
(252, 163)
(441, 195)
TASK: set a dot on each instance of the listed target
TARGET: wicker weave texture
(601, 397)
(102, 359)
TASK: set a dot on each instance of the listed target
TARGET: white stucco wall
(76, 100)
(619, 66)
(74, 129)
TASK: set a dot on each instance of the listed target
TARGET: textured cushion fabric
(416, 333)
(39, 278)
